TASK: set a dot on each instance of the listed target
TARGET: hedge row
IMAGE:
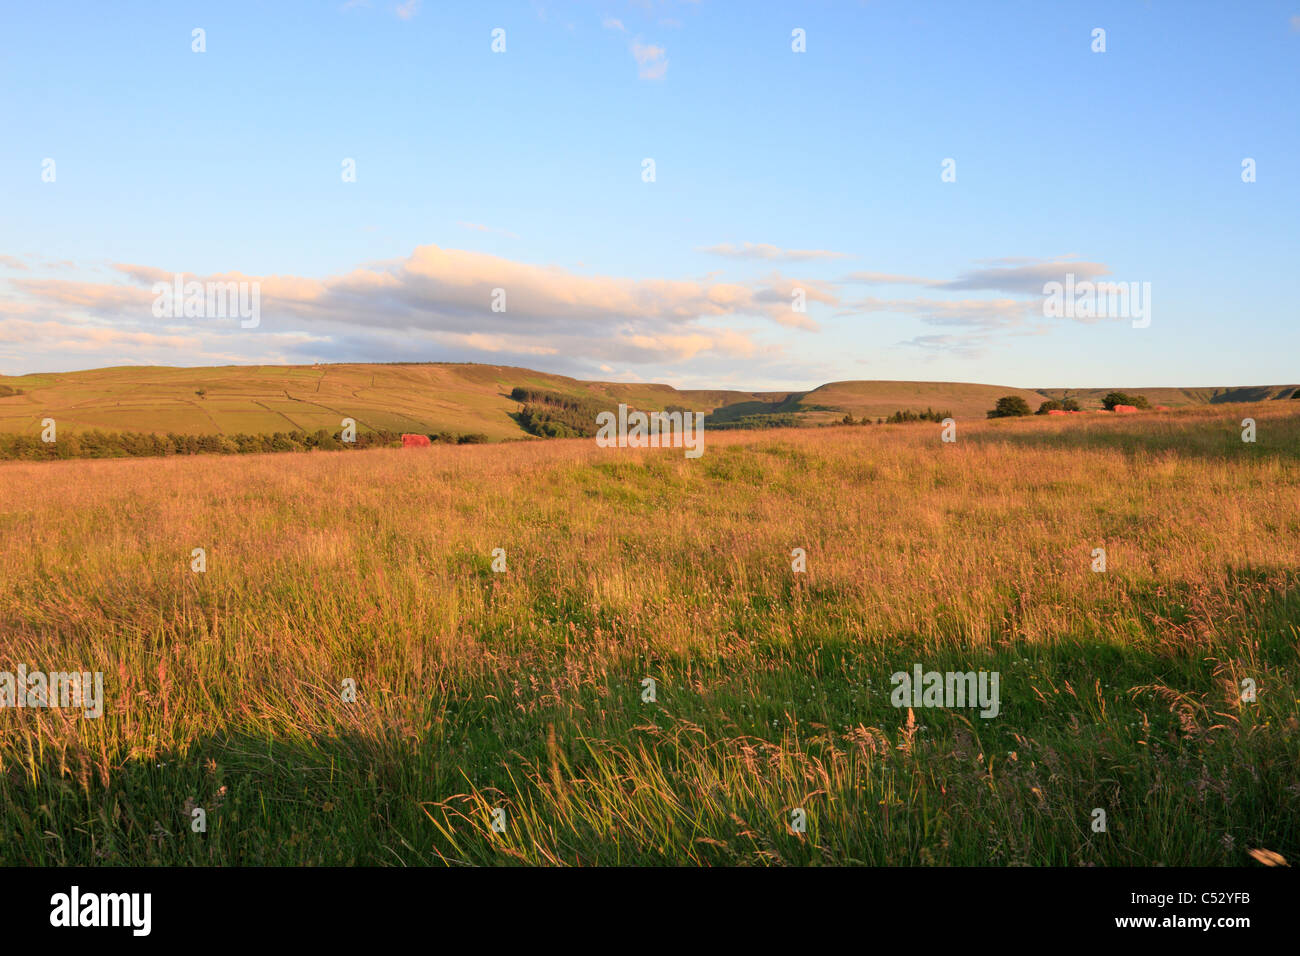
(99, 444)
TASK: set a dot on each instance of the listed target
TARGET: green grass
(522, 691)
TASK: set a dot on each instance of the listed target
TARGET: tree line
(101, 444)
(900, 417)
(550, 414)
(1013, 406)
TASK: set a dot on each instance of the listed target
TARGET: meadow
(521, 690)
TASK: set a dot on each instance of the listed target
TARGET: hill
(882, 399)
(464, 398)
(1178, 397)
(261, 399)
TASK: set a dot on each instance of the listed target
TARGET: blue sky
(774, 171)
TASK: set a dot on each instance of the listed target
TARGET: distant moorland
(474, 402)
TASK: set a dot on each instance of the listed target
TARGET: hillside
(260, 399)
(881, 399)
(462, 398)
(1178, 397)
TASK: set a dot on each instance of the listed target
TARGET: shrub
(775, 420)
(1051, 405)
(325, 441)
(1010, 406)
(99, 444)
(1120, 398)
(907, 415)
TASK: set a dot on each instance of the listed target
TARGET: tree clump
(1010, 406)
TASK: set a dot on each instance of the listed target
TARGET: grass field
(522, 690)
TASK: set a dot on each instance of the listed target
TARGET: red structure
(1057, 411)
(1125, 409)
(415, 441)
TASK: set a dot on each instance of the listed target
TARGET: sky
(656, 186)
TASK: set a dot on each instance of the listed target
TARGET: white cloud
(1018, 312)
(979, 313)
(1026, 277)
(434, 303)
(652, 61)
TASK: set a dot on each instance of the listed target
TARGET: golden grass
(376, 566)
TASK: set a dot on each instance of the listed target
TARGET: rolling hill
(464, 398)
(1178, 397)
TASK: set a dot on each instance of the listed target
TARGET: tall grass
(522, 690)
